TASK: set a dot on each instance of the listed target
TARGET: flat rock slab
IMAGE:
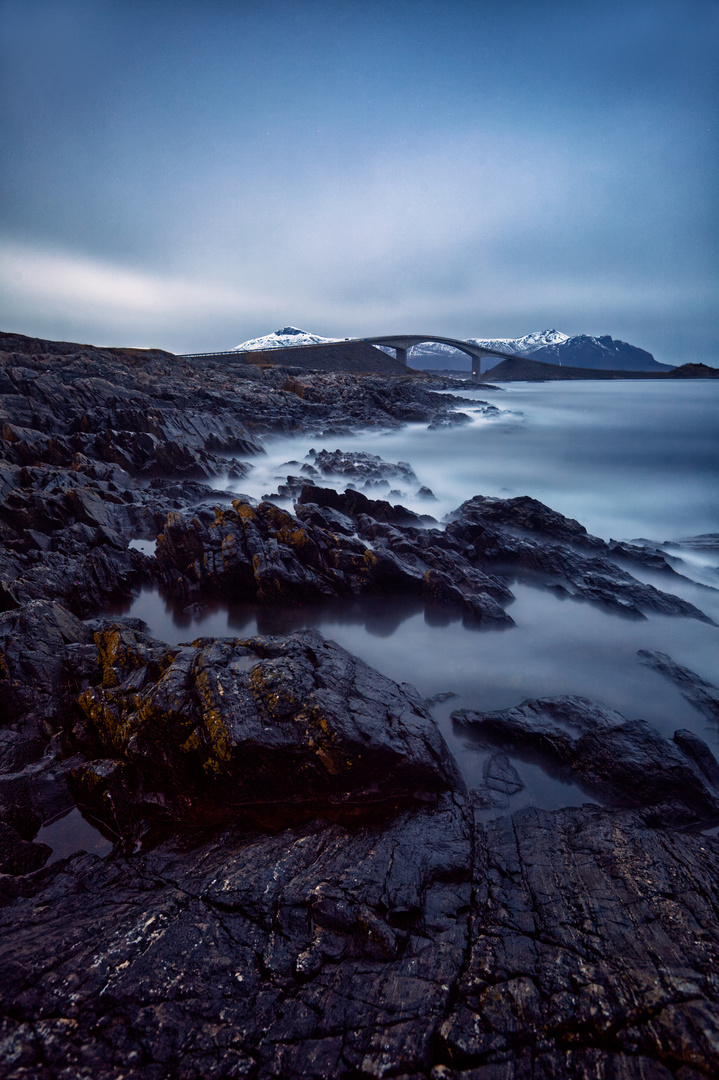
(594, 950)
(576, 943)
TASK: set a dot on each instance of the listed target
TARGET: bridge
(402, 343)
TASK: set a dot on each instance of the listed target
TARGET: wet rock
(591, 953)
(500, 775)
(352, 503)
(18, 856)
(267, 554)
(361, 466)
(521, 533)
(700, 693)
(323, 950)
(627, 762)
(339, 950)
(275, 722)
(34, 663)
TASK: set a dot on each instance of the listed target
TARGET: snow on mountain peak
(525, 344)
(282, 339)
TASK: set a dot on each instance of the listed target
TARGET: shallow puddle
(69, 833)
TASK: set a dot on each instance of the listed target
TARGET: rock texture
(276, 724)
(626, 762)
(298, 885)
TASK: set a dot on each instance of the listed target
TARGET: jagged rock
(352, 503)
(361, 466)
(518, 533)
(627, 762)
(268, 554)
(223, 724)
(700, 693)
(34, 662)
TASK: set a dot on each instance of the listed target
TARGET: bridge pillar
(401, 354)
(477, 367)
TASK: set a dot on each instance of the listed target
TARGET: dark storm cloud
(193, 175)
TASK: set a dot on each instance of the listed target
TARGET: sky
(191, 175)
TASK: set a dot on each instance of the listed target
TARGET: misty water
(628, 459)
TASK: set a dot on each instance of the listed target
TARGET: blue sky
(190, 175)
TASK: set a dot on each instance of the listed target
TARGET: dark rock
(267, 554)
(521, 533)
(324, 950)
(627, 762)
(34, 663)
(700, 693)
(17, 856)
(298, 890)
(352, 503)
(361, 466)
(275, 722)
(501, 775)
(330, 950)
(591, 954)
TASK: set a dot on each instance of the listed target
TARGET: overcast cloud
(192, 175)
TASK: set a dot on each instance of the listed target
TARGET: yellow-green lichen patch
(244, 511)
(107, 718)
(219, 741)
(370, 559)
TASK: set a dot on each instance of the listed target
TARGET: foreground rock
(578, 943)
(280, 725)
(626, 762)
(362, 925)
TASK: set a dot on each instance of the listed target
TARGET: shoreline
(300, 882)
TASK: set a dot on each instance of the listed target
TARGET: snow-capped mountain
(549, 347)
(282, 339)
(431, 355)
(603, 353)
(526, 345)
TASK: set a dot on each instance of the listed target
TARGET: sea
(630, 460)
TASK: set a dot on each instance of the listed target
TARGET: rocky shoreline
(300, 883)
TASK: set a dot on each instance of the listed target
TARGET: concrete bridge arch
(402, 343)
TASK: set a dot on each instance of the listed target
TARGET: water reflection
(378, 616)
(71, 832)
(627, 460)
(555, 648)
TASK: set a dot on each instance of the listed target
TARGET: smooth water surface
(626, 459)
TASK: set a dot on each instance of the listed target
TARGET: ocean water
(627, 459)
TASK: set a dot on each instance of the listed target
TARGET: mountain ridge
(550, 346)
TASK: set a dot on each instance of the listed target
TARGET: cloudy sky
(191, 175)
